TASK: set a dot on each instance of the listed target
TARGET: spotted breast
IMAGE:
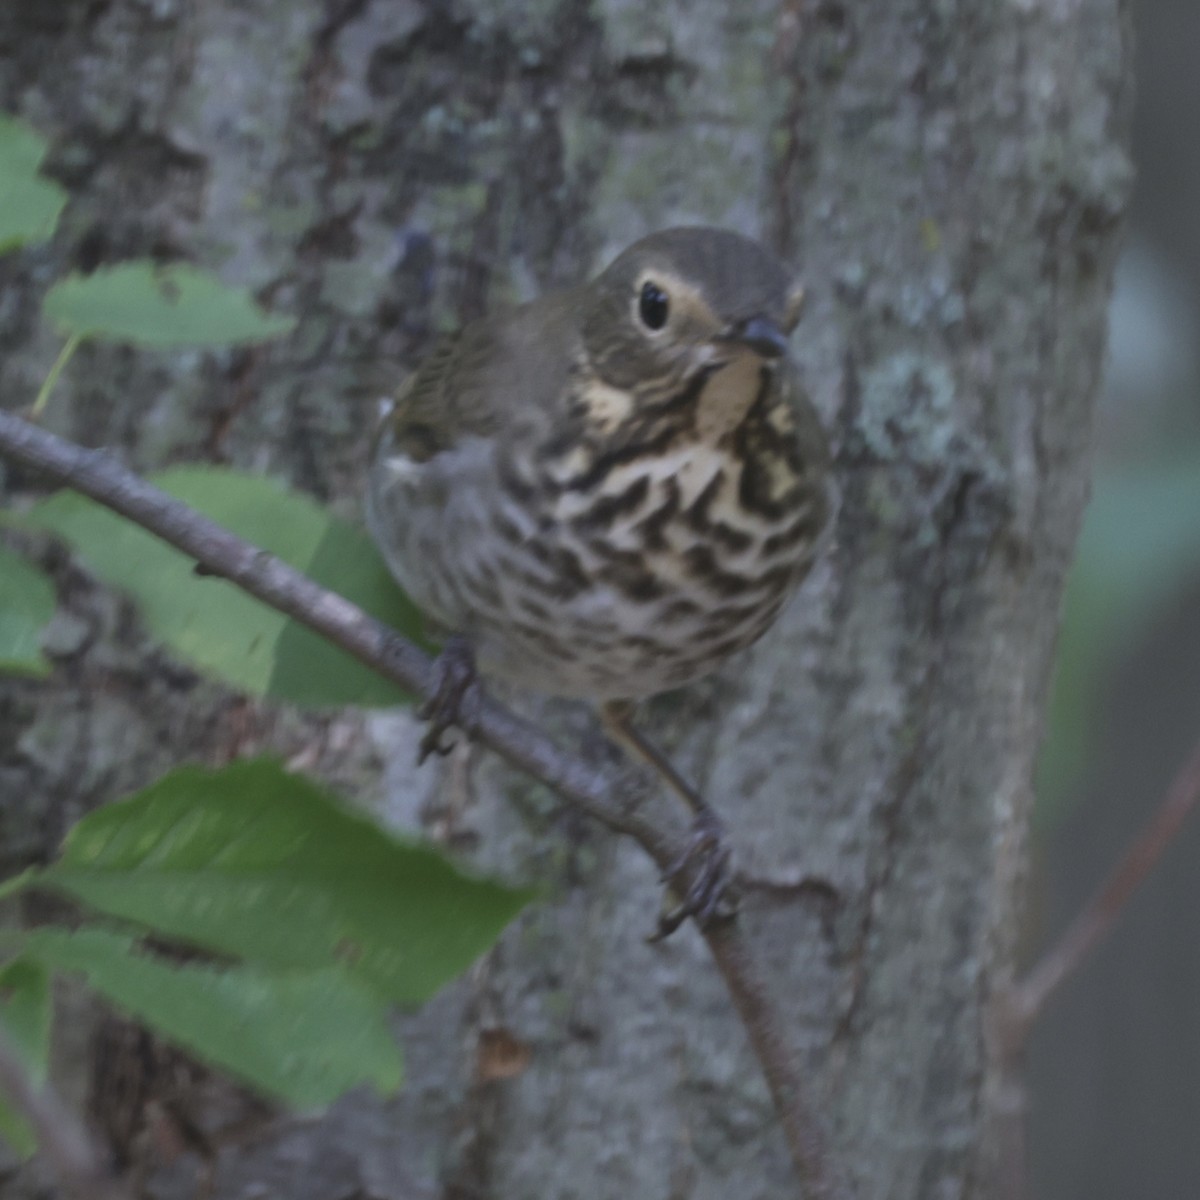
(644, 488)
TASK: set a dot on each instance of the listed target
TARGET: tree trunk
(949, 178)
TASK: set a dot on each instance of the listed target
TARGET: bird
(606, 492)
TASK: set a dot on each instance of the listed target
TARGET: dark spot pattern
(658, 441)
(799, 530)
(626, 571)
(652, 527)
(608, 508)
(762, 450)
(703, 565)
(697, 513)
(686, 584)
(659, 417)
(735, 540)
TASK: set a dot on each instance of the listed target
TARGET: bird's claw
(702, 870)
(454, 700)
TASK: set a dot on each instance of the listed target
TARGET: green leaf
(29, 203)
(308, 668)
(254, 862)
(305, 1036)
(163, 307)
(215, 625)
(25, 1015)
(26, 603)
(1140, 543)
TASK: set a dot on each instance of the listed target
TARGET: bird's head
(685, 302)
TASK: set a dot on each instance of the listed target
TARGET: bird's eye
(653, 306)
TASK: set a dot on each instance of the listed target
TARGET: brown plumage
(611, 489)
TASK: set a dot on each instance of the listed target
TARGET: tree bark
(949, 179)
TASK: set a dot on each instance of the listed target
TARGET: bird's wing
(477, 381)
(447, 396)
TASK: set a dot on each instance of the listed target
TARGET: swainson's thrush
(609, 490)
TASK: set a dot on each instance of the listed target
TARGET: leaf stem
(64, 357)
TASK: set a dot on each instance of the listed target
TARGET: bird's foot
(455, 698)
(699, 881)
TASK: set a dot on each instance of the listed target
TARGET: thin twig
(1016, 1007)
(801, 1127)
(64, 356)
(1030, 996)
(99, 475)
(61, 1137)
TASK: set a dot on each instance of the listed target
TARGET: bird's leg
(455, 696)
(703, 865)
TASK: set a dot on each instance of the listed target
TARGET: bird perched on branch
(608, 491)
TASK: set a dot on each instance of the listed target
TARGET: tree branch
(1030, 996)
(1015, 1007)
(99, 475)
(61, 1137)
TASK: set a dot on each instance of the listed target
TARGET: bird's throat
(728, 395)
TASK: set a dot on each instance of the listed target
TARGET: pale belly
(616, 592)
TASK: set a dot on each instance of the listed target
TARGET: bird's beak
(760, 334)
